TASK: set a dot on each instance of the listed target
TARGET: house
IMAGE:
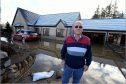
(56, 26)
(106, 30)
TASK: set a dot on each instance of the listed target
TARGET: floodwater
(98, 73)
(107, 67)
(98, 50)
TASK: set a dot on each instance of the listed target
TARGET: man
(76, 54)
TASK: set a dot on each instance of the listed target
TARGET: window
(59, 32)
(17, 28)
(46, 31)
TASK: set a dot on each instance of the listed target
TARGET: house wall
(41, 30)
(38, 30)
(31, 28)
(61, 26)
(68, 31)
(19, 20)
(52, 31)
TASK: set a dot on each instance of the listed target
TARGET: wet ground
(98, 50)
(107, 67)
(101, 71)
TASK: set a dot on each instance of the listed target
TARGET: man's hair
(78, 21)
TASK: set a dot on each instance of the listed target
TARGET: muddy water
(101, 54)
(97, 49)
(98, 73)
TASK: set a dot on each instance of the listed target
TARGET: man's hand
(85, 67)
(62, 63)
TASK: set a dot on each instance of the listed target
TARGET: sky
(42, 7)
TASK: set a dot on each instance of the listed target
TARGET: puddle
(98, 73)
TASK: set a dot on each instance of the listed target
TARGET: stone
(5, 62)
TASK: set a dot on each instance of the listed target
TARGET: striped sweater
(76, 53)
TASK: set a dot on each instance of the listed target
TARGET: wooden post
(106, 38)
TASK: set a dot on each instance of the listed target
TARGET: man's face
(78, 28)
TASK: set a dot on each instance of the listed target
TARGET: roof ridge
(27, 10)
(33, 17)
(104, 19)
(47, 14)
(64, 22)
(59, 13)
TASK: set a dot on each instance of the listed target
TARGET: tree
(97, 13)
(110, 11)
(121, 15)
(115, 13)
(103, 13)
(8, 32)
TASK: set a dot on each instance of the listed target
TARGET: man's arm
(63, 51)
(88, 56)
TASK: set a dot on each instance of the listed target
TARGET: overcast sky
(85, 7)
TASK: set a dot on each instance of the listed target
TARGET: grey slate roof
(34, 19)
(30, 17)
(68, 19)
(105, 24)
(52, 19)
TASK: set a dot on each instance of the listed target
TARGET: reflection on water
(59, 46)
(46, 43)
(97, 50)
(104, 52)
(98, 73)
(104, 75)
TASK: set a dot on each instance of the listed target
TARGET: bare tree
(97, 13)
(103, 13)
(109, 11)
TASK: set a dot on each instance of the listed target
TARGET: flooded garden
(107, 66)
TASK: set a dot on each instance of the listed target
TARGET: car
(25, 35)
